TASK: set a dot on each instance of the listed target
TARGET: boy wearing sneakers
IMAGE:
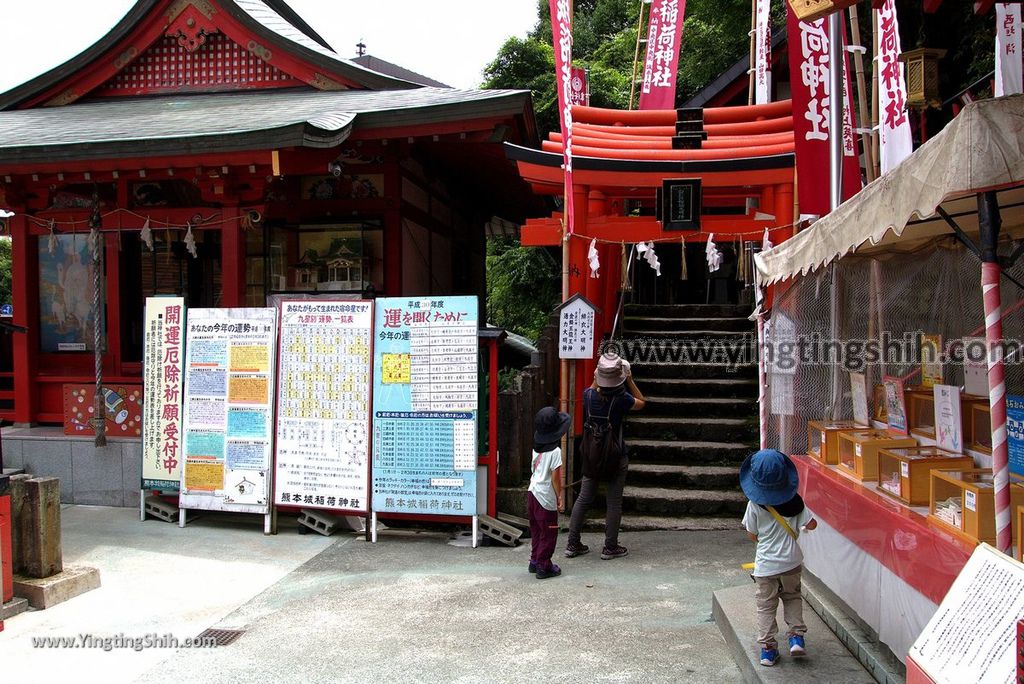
(544, 496)
(774, 518)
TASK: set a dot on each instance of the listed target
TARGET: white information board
(949, 433)
(228, 426)
(972, 637)
(576, 329)
(859, 394)
(162, 390)
(323, 405)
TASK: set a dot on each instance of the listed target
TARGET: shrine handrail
(625, 288)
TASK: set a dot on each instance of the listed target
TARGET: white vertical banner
(1008, 55)
(895, 140)
(763, 53)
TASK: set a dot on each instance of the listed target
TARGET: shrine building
(228, 155)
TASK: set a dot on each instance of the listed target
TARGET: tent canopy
(981, 149)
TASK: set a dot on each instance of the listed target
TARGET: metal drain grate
(222, 637)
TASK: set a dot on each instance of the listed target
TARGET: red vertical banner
(579, 91)
(561, 36)
(810, 76)
(665, 29)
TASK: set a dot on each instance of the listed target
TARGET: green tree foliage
(522, 286)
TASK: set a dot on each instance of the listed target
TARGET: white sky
(448, 40)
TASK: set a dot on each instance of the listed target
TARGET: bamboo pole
(862, 100)
(874, 93)
(636, 52)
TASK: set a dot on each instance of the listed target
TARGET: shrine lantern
(809, 10)
(923, 76)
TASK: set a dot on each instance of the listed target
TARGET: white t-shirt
(540, 482)
(777, 551)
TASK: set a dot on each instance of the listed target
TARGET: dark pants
(543, 533)
(613, 516)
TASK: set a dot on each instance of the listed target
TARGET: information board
(323, 405)
(1015, 432)
(576, 329)
(162, 360)
(228, 426)
(425, 376)
(949, 431)
(972, 636)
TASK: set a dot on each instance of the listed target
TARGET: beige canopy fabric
(981, 149)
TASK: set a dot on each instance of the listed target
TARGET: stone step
(673, 428)
(726, 407)
(684, 476)
(647, 523)
(693, 371)
(695, 335)
(688, 310)
(737, 324)
(687, 452)
(658, 501)
(699, 387)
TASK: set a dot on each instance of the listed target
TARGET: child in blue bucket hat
(774, 518)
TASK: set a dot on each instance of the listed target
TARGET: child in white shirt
(545, 493)
(774, 518)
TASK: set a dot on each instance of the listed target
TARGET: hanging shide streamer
(646, 249)
(190, 243)
(594, 259)
(714, 256)
(683, 275)
(740, 261)
(766, 242)
(52, 242)
(146, 235)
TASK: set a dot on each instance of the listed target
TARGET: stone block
(13, 607)
(50, 458)
(48, 592)
(17, 493)
(12, 449)
(98, 473)
(40, 528)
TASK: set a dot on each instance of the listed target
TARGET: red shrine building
(229, 155)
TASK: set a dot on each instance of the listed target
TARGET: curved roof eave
(541, 158)
(142, 8)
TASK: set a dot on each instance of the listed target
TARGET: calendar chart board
(323, 405)
(425, 394)
(228, 423)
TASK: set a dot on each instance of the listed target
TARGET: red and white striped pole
(989, 224)
(762, 380)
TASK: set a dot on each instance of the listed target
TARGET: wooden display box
(823, 438)
(904, 473)
(977, 417)
(973, 488)
(921, 412)
(858, 451)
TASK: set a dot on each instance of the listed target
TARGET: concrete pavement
(411, 608)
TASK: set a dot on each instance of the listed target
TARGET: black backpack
(601, 445)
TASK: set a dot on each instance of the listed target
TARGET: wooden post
(862, 100)
(874, 95)
(17, 492)
(40, 528)
(636, 53)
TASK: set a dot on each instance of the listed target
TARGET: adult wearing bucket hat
(774, 517)
(612, 395)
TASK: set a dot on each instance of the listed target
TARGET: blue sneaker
(553, 571)
(769, 656)
(796, 646)
(532, 568)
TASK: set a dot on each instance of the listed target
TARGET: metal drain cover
(220, 637)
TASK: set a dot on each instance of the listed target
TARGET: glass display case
(823, 438)
(977, 418)
(963, 502)
(858, 451)
(904, 473)
(921, 412)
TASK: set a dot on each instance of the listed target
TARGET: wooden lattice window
(219, 64)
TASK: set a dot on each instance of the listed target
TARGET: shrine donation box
(823, 438)
(905, 473)
(858, 451)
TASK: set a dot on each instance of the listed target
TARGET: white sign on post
(948, 424)
(976, 366)
(576, 329)
(859, 394)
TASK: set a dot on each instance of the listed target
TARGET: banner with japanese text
(664, 31)
(763, 52)
(228, 410)
(561, 36)
(895, 139)
(1008, 49)
(579, 91)
(162, 360)
(811, 81)
(425, 394)
(323, 405)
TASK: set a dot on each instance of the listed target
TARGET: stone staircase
(700, 421)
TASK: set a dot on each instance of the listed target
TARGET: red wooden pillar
(783, 212)
(232, 260)
(492, 428)
(25, 290)
(393, 231)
